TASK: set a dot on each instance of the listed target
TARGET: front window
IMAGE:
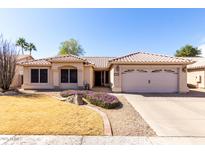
(64, 76)
(43, 75)
(34, 75)
(73, 76)
(69, 76)
(39, 75)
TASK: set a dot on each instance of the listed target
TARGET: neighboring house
(18, 77)
(136, 72)
(196, 73)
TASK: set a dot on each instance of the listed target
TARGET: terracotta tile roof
(199, 63)
(38, 62)
(99, 62)
(48, 61)
(67, 58)
(21, 58)
(104, 62)
(148, 58)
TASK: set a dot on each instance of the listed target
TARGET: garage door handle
(149, 81)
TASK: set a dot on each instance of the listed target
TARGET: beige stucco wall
(56, 67)
(16, 82)
(85, 74)
(112, 77)
(117, 81)
(27, 79)
(183, 79)
(88, 75)
(193, 75)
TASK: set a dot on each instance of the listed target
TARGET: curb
(106, 122)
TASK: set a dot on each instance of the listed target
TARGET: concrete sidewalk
(95, 140)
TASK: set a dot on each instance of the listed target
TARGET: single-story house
(137, 72)
(196, 73)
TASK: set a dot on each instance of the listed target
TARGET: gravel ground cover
(126, 121)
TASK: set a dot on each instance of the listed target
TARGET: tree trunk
(22, 50)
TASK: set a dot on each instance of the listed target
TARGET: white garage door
(150, 80)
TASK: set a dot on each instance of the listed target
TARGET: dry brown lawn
(44, 115)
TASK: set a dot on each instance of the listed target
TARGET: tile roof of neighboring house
(148, 58)
(99, 62)
(199, 63)
(21, 58)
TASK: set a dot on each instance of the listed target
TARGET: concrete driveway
(172, 114)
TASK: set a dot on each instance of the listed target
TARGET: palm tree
(21, 42)
(30, 47)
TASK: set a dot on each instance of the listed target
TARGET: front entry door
(97, 78)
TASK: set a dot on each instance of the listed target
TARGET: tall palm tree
(21, 42)
(30, 47)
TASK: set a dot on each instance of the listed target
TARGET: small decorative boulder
(70, 99)
(78, 99)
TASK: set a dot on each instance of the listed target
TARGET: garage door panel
(131, 83)
(151, 81)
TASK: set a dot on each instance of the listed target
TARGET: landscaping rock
(10, 93)
(70, 99)
(78, 100)
(75, 99)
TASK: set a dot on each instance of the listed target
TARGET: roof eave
(151, 63)
(36, 65)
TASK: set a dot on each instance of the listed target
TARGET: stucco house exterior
(18, 77)
(136, 72)
(196, 73)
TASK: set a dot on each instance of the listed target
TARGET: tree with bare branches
(8, 58)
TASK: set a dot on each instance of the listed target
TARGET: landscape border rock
(106, 122)
(10, 93)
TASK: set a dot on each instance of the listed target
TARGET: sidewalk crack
(81, 140)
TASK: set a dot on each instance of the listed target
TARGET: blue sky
(106, 32)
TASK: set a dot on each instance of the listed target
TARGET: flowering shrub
(96, 98)
(103, 100)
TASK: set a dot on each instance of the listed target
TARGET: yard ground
(126, 121)
(43, 115)
(172, 114)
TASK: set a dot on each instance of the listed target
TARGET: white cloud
(202, 47)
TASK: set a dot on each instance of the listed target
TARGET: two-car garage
(155, 80)
(149, 73)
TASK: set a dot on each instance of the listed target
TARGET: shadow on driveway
(191, 93)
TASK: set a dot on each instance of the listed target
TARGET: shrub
(96, 98)
(8, 60)
(103, 100)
